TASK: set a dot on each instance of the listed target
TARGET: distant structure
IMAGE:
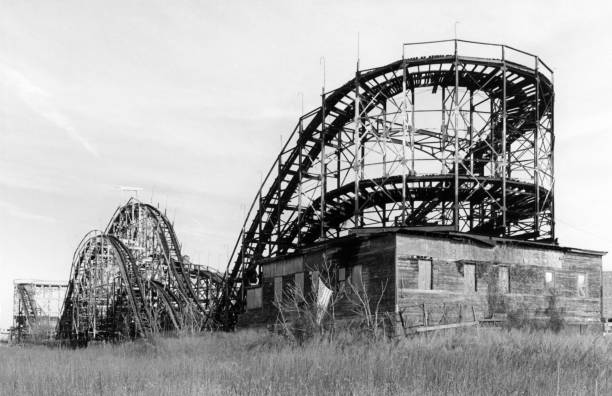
(434, 175)
(36, 309)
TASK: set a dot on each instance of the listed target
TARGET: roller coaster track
(361, 161)
(134, 287)
(132, 281)
(164, 234)
(167, 300)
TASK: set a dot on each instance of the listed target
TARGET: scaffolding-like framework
(461, 142)
(131, 280)
(36, 308)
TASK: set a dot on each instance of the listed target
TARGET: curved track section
(132, 281)
(105, 297)
(456, 141)
(151, 238)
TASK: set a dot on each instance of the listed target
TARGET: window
(254, 299)
(469, 277)
(503, 280)
(549, 280)
(341, 274)
(425, 278)
(341, 279)
(581, 285)
(278, 289)
(299, 284)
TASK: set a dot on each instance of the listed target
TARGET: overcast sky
(188, 99)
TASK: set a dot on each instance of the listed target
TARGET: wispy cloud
(40, 101)
(16, 211)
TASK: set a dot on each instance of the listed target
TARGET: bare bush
(303, 316)
(371, 323)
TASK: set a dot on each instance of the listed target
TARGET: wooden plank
(469, 275)
(424, 329)
(425, 274)
(278, 289)
(254, 298)
(299, 283)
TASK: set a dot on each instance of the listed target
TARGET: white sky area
(188, 100)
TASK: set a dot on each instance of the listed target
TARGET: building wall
(448, 301)
(506, 277)
(374, 256)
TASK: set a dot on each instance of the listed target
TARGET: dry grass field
(474, 362)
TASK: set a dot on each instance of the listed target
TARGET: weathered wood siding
(607, 296)
(451, 300)
(507, 278)
(375, 255)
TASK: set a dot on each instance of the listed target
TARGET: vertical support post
(493, 157)
(207, 286)
(384, 149)
(552, 157)
(536, 149)
(261, 212)
(300, 148)
(404, 137)
(385, 138)
(243, 272)
(504, 139)
(471, 137)
(443, 131)
(338, 167)
(471, 131)
(357, 144)
(412, 130)
(362, 167)
(278, 202)
(92, 301)
(323, 163)
(456, 127)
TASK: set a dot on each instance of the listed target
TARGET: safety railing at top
(477, 49)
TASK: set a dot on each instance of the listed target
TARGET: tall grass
(476, 361)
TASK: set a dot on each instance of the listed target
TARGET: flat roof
(40, 282)
(432, 232)
(492, 241)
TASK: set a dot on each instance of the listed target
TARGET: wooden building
(424, 279)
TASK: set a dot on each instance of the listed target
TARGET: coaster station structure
(460, 142)
(132, 280)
